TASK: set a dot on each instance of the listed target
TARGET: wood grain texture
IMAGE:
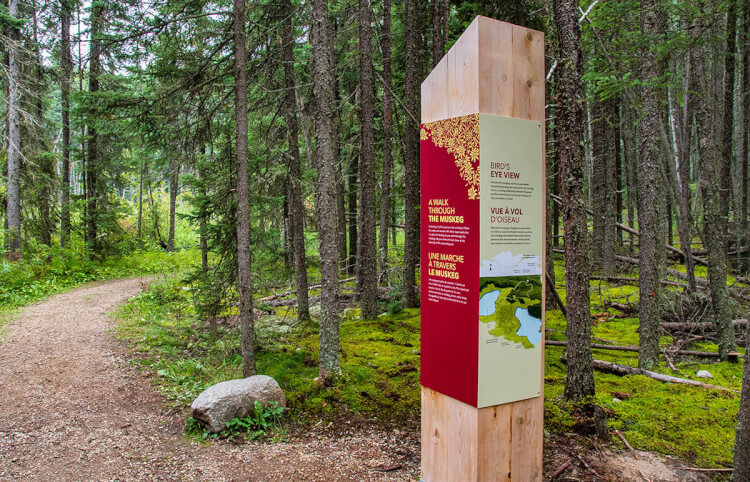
(493, 68)
(449, 429)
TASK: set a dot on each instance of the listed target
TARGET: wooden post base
(464, 443)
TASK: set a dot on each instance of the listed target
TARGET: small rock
(615, 400)
(221, 403)
(704, 374)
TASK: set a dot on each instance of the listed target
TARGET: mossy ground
(380, 369)
(694, 424)
(379, 358)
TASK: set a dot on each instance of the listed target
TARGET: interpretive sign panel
(482, 242)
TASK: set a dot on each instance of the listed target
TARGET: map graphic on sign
(512, 307)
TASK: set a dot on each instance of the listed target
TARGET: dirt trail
(71, 408)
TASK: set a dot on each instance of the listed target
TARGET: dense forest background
(279, 140)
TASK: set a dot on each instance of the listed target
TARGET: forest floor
(73, 406)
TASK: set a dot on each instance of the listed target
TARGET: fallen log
(595, 346)
(291, 292)
(625, 308)
(702, 283)
(616, 279)
(698, 326)
(622, 370)
(635, 281)
(632, 348)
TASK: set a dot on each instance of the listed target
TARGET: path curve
(71, 408)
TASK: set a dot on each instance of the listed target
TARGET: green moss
(694, 424)
(380, 370)
(379, 358)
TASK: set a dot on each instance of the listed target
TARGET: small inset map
(513, 305)
(507, 264)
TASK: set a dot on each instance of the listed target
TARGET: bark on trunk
(742, 437)
(678, 195)
(385, 190)
(323, 83)
(47, 164)
(244, 280)
(438, 47)
(651, 241)
(618, 166)
(296, 208)
(351, 214)
(367, 285)
(92, 164)
(140, 200)
(14, 141)
(551, 152)
(710, 156)
(411, 156)
(580, 378)
(174, 177)
(728, 117)
(745, 215)
(599, 185)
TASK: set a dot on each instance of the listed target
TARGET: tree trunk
(446, 23)
(385, 190)
(14, 140)
(580, 378)
(203, 240)
(323, 84)
(438, 47)
(411, 155)
(603, 185)
(684, 226)
(710, 156)
(174, 179)
(742, 437)
(599, 185)
(367, 281)
(244, 280)
(341, 201)
(92, 164)
(140, 201)
(609, 116)
(351, 214)
(728, 117)
(551, 152)
(617, 132)
(745, 215)
(47, 164)
(296, 208)
(651, 241)
(630, 172)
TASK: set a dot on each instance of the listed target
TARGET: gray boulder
(221, 403)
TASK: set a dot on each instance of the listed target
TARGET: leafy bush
(263, 420)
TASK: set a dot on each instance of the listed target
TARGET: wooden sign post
(482, 211)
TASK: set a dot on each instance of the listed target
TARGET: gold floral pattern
(460, 137)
